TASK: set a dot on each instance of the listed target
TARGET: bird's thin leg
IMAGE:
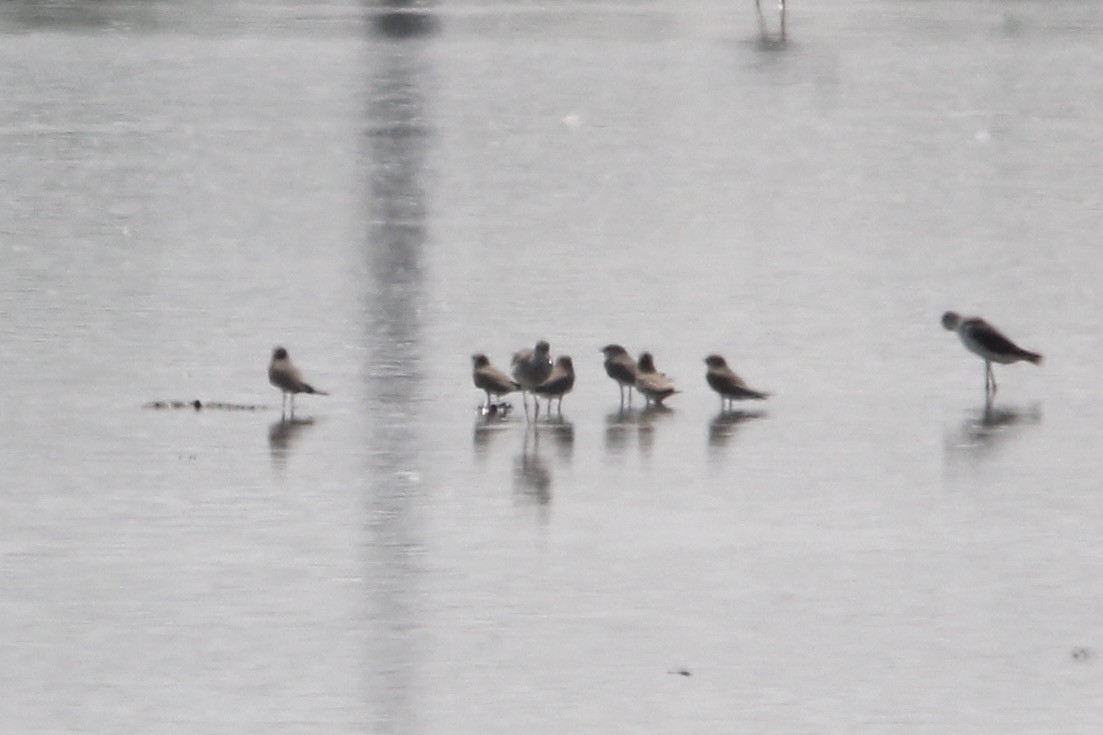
(992, 377)
(761, 18)
(621, 386)
(629, 395)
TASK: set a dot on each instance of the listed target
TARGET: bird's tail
(1033, 357)
(312, 389)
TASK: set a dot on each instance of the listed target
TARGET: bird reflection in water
(990, 426)
(620, 424)
(531, 477)
(646, 422)
(617, 426)
(562, 434)
(726, 423)
(488, 424)
(283, 435)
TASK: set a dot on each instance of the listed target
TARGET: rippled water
(871, 550)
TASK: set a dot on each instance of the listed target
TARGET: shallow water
(871, 550)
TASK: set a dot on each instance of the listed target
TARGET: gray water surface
(871, 550)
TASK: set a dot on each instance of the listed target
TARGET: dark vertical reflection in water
(396, 140)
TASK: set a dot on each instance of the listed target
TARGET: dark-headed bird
(490, 379)
(559, 383)
(983, 339)
(620, 366)
(654, 385)
(283, 374)
(730, 386)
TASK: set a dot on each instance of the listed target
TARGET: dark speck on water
(197, 405)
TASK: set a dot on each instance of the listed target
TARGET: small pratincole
(730, 386)
(559, 383)
(283, 374)
(490, 379)
(983, 339)
(620, 366)
(654, 385)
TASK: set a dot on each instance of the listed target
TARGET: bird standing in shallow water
(490, 379)
(283, 374)
(983, 339)
(620, 366)
(654, 385)
(559, 383)
(730, 386)
(530, 368)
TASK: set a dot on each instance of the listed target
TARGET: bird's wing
(990, 338)
(492, 379)
(654, 382)
(621, 370)
(732, 379)
(558, 382)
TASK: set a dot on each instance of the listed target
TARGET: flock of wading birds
(533, 371)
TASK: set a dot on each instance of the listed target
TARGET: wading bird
(559, 383)
(654, 385)
(983, 339)
(530, 368)
(620, 366)
(490, 379)
(730, 386)
(283, 374)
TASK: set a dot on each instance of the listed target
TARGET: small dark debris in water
(501, 409)
(1082, 653)
(211, 405)
(681, 672)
